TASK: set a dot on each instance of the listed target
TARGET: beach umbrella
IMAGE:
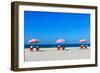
(60, 41)
(33, 41)
(83, 41)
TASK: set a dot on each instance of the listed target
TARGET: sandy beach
(47, 54)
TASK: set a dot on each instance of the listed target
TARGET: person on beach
(63, 48)
(37, 48)
(83, 46)
(31, 48)
(58, 47)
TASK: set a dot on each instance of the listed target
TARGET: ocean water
(53, 45)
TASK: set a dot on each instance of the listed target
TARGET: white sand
(46, 54)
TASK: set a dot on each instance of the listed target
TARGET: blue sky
(50, 26)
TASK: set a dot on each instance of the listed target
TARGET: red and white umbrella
(33, 41)
(60, 41)
(83, 41)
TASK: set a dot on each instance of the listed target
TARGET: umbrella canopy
(83, 41)
(33, 41)
(60, 41)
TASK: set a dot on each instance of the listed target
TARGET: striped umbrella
(83, 41)
(33, 41)
(60, 41)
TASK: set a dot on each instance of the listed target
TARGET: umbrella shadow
(84, 48)
(41, 51)
(67, 49)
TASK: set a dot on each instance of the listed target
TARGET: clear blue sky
(50, 26)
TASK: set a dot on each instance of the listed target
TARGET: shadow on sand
(67, 49)
(40, 51)
(46, 50)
